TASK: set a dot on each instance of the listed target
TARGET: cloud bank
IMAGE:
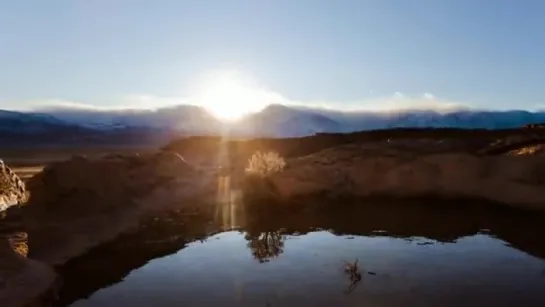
(226, 89)
(394, 102)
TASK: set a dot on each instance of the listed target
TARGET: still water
(407, 257)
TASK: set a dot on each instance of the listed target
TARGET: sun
(228, 96)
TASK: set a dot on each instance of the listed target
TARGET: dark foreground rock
(23, 281)
(81, 203)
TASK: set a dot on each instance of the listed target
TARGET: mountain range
(69, 125)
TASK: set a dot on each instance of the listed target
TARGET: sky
(343, 54)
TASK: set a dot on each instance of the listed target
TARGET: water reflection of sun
(227, 198)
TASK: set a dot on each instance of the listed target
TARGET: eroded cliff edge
(411, 169)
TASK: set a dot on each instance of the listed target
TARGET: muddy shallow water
(408, 256)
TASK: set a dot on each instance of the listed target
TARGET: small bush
(264, 164)
(257, 186)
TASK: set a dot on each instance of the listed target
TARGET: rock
(380, 170)
(80, 203)
(12, 189)
(538, 149)
(22, 281)
(512, 143)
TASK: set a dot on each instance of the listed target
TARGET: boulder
(532, 150)
(12, 189)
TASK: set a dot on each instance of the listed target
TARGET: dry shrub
(263, 164)
(257, 185)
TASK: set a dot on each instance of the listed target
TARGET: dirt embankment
(408, 169)
(475, 141)
(80, 203)
(446, 163)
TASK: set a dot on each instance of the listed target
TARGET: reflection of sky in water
(474, 271)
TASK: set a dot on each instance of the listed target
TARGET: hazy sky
(485, 53)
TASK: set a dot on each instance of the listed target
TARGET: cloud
(425, 102)
(129, 102)
(396, 102)
(539, 108)
(428, 96)
(398, 95)
(225, 91)
(228, 91)
(42, 104)
(142, 101)
(255, 99)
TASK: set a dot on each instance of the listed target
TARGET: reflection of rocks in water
(18, 242)
(266, 233)
(22, 281)
(12, 231)
(265, 245)
(433, 220)
(110, 263)
(425, 243)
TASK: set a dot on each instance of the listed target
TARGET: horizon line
(105, 109)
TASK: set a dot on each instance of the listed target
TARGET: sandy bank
(392, 170)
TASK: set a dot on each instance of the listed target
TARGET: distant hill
(280, 120)
(64, 125)
(30, 129)
(181, 118)
(23, 128)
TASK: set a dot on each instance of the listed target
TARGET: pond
(407, 256)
